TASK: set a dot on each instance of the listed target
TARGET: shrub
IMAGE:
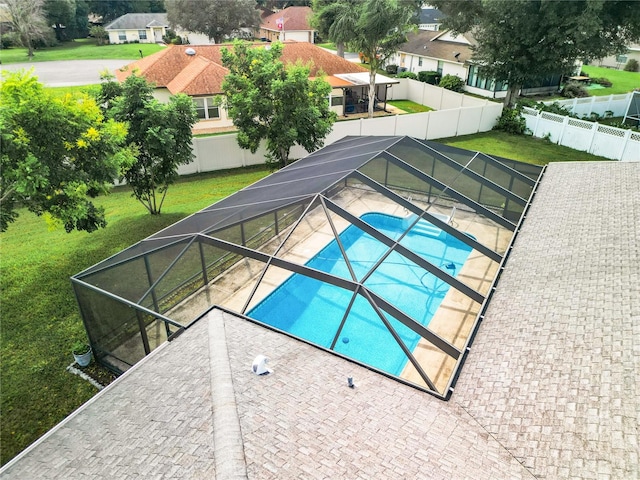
(605, 82)
(428, 76)
(7, 40)
(391, 69)
(452, 82)
(574, 90)
(408, 75)
(632, 65)
(511, 121)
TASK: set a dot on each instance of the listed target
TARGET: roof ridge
(228, 443)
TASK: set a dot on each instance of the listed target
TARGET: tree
(109, 10)
(160, 133)
(217, 19)
(57, 153)
(528, 40)
(333, 21)
(378, 28)
(100, 34)
(61, 14)
(29, 22)
(271, 102)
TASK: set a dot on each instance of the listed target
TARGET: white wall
(617, 104)
(132, 36)
(590, 137)
(222, 151)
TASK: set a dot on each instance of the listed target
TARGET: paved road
(69, 72)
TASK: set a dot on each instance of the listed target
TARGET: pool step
(425, 228)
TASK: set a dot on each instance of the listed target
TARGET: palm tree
(335, 20)
(381, 27)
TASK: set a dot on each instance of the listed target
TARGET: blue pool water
(313, 310)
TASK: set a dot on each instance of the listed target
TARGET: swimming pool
(314, 310)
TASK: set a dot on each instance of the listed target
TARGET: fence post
(573, 106)
(564, 126)
(593, 136)
(627, 136)
(608, 104)
(426, 128)
(535, 128)
(395, 125)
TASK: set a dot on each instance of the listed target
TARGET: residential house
(619, 61)
(149, 28)
(197, 71)
(138, 27)
(292, 23)
(430, 19)
(451, 54)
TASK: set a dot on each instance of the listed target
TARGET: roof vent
(190, 51)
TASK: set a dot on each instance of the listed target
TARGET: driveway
(68, 72)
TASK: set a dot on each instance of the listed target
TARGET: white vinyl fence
(583, 107)
(456, 114)
(590, 137)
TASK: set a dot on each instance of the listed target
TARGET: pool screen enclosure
(236, 253)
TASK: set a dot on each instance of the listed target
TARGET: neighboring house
(292, 23)
(430, 19)
(197, 71)
(619, 61)
(148, 28)
(138, 27)
(450, 54)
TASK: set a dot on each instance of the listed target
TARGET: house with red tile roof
(197, 70)
(292, 23)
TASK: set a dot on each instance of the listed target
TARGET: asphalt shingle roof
(140, 21)
(171, 67)
(550, 388)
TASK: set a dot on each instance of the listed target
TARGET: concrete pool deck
(550, 388)
(453, 320)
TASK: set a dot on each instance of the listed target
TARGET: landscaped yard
(409, 106)
(517, 147)
(622, 81)
(83, 49)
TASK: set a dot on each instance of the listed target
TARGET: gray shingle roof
(425, 44)
(551, 386)
(138, 21)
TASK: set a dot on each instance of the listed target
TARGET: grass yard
(40, 316)
(409, 106)
(623, 82)
(82, 49)
(517, 147)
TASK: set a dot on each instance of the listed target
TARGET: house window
(440, 67)
(476, 80)
(206, 108)
(621, 59)
(142, 34)
(336, 101)
(122, 36)
(420, 62)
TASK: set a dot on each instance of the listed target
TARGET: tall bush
(631, 66)
(512, 121)
(428, 76)
(408, 75)
(452, 82)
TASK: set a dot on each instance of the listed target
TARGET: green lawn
(83, 49)
(524, 148)
(409, 106)
(623, 82)
(40, 316)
